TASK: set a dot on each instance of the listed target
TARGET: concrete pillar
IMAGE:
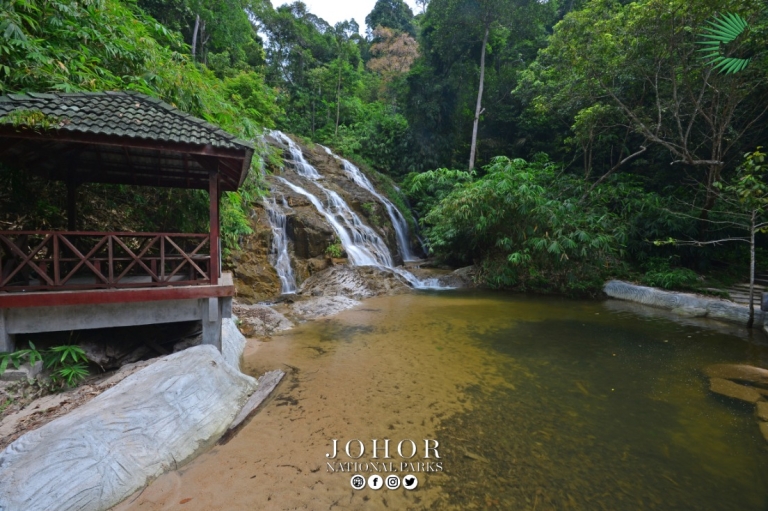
(211, 321)
(7, 343)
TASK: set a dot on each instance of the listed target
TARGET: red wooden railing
(56, 260)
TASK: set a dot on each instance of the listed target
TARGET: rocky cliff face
(255, 277)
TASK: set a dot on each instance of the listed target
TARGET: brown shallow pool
(536, 404)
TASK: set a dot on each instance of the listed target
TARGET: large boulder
(102, 452)
(307, 229)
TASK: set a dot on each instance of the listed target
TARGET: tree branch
(615, 167)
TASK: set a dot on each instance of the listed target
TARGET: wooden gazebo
(67, 280)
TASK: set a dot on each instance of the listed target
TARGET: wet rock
(741, 373)
(309, 232)
(255, 277)
(762, 410)
(690, 312)
(461, 278)
(322, 306)
(354, 282)
(113, 354)
(187, 343)
(734, 390)
(259, 320)
(764, 430)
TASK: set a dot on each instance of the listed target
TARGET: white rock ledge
(102, 452)
(685, 304)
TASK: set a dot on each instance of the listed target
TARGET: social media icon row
(375, 482)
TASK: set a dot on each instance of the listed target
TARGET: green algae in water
(604, 410)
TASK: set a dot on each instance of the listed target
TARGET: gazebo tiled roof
(118, 137)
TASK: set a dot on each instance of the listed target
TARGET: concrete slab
(30, 320)
(22, 373)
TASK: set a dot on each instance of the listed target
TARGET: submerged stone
(734, 390)
(690, 312)
(744, 373)
(764, 430)
(762, 410)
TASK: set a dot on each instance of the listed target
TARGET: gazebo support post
(212, 315)
(7, 344)
(213, 197)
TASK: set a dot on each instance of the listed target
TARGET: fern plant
(723, 30)
(16, 358)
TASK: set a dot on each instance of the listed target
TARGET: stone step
(745, 287)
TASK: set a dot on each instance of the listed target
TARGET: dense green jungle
(554, 144)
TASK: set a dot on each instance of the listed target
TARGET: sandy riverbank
(375, 371)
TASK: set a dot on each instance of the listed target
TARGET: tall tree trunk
(338, 103)
(478, 108)
(203, 41)
(752, 272)
(194, 36)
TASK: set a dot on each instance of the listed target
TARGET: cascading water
(363, 246)
(300, 163)
(398, 221)
(361, 243)
(279, 256)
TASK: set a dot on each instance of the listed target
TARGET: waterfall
(397, 218)
(279, 254)
(363, 245)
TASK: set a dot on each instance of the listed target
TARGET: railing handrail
(105, 233)
(57, 260)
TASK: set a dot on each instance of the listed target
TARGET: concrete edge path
(684, 304)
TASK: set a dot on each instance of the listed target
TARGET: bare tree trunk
(203, 41)
(194, 36)
(752, 272)
(478, 109)
(338, 103)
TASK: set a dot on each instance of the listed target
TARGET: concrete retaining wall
(683, 303)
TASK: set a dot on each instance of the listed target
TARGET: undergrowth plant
(335, 249)
(68, 363)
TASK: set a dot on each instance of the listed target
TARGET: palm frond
(721, 31)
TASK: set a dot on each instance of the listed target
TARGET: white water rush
(397, 218)
(279, 254)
